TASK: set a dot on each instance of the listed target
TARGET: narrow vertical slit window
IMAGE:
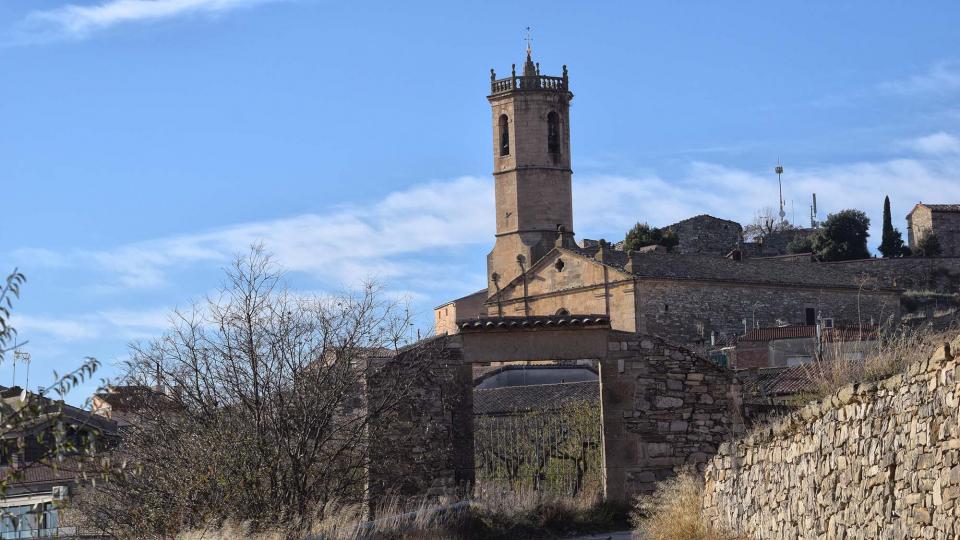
(553, 132)
(504, 136)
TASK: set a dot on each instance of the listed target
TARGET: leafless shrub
(894, 352)
(673, 512)
(262, 419)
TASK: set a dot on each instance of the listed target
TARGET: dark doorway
(811, 316)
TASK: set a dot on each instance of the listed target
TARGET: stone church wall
(875, 460)
(664, 409)
(687, 311)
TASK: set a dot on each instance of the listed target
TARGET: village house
(941, 220)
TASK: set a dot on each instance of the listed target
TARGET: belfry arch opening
(504, 124)
(553, 132)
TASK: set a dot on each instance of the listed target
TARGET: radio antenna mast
(779, 171)
(813, 212)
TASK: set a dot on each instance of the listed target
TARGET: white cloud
(79, 21)
(609, 205)
(940, 79)
(935, 144)
(417, 239)
(64, 329)
(392, 239)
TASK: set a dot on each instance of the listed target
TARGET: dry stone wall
(875, 460)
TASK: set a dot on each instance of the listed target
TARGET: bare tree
(765, 222)
(261, 414)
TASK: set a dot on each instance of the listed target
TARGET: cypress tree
(891, 242)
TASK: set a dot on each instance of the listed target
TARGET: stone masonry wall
(664, 409)
(936, 273)
(687, 311)
(946, 225)
(874, 460)
(422, 443)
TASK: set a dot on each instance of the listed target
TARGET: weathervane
(529, 43)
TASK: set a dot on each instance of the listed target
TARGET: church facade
(695, 296)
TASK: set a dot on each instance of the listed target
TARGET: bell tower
(531, 169)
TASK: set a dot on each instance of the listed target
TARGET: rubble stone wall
(874, 460)
(421, 440)
(688, 311)
(664, 409)
(935, 273)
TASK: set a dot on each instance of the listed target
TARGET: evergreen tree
(891, 244)
(642, 234)
(842, 237)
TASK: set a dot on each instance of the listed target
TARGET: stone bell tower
(531, 169)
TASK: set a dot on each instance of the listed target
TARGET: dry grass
(495, 512)
(673, 513)
(893, 354)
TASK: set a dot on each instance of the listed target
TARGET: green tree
(842, 237)
(642, 235)
(801, 244)
(929, 246)
(891, 244)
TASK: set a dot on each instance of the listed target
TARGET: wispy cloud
(416, 239)
(935, 144)
(942, 78)
(126, 324)
(398, 238)
(79, 21)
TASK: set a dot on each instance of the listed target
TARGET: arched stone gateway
(663, 408)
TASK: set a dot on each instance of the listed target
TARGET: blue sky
(144, 142)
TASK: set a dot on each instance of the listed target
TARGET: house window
(553, 132)
(563, 312)
(504, 136)
(811, 316)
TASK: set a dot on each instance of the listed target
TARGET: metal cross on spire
(529, 43)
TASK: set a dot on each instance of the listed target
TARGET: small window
(559, 265)
(666, 308)
(563, 312)
(811, 316)
(504, 135)
(553, 132)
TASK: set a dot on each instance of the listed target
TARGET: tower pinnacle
(529, 68)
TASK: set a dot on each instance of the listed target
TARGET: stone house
(943, 220)
(707, 235)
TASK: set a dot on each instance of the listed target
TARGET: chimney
(629, 266)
